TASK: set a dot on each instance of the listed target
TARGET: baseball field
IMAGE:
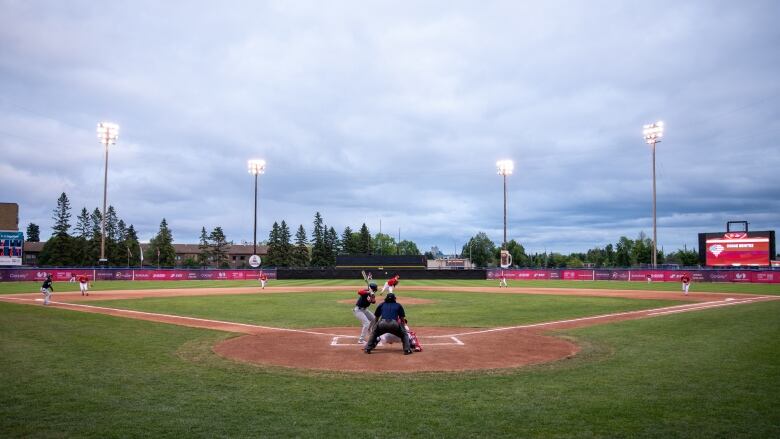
(538, 359)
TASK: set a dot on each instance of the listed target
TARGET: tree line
(625, 253)
(79, 245)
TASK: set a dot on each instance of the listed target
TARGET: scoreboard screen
(737, 249)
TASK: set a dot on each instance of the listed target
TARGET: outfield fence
(631, 275)
(67, 274)
(640, 275)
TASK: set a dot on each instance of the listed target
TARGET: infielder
(365, 299)
(263, 279)
(390, 284)
(686, 283)
(47, 289)
(84, 284)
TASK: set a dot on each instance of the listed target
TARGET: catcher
(367, 296)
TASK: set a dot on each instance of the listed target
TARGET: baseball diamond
(447, 348)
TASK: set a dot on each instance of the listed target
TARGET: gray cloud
(397, 113)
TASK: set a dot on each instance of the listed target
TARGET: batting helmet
(372, 286)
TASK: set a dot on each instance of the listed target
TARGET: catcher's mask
(372, 286)
(390, 297)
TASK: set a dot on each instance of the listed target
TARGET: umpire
(388, 315)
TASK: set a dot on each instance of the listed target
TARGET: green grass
(714, 287)
(712, 373)
(449, 309)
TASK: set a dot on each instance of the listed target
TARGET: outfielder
(47, 289)
(686, 283)
(365, 299)
(502, 282)
(84, 284)
(390, 284)
(263, 279)
(388, 315)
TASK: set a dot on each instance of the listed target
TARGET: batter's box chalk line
(446, 340)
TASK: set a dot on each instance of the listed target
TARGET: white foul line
(656, 311)
(247, 325)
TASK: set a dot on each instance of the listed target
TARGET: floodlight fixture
(256, 167)
(107, 134)
(653, 133)
(505, 167)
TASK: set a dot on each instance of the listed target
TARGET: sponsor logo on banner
(736, 235)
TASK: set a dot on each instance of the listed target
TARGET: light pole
(653, 134)
(256, 167)
(505, 167)
(107, 134)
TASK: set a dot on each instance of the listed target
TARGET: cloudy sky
(397, 112)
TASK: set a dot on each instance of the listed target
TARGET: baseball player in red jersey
(686, 283)
(390, 284)
(84, 284)
(502, 282)
(263, 280)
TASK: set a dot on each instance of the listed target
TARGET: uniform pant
(46, 295)
(84, 287)
(384, 326)
(685, 287)
(366, 319)
(386, 287)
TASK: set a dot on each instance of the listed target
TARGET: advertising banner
(70, 274)
(11, 244)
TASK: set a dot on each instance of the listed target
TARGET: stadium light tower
(505, 167)
(107, 134)
(653, 134)
(256, 167)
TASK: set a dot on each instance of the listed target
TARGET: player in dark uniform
(388, 315)
(47, 289)
(365, 299)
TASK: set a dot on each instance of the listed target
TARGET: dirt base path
(445, 349)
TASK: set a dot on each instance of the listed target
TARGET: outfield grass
(713, 373)
(310, 310)
(714, 287)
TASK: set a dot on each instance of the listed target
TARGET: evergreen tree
(285, 246)
(301, 250)
(83, 225)
(112, 228)
(274, 255)
(33, 233)
(319, 252)
(349, 242)
(121, 230)
(204, 257)
(331, 246)
(364, 243)
(92, 249)
(61, 216)
(131, 247)
(219, 247)
(161, 249)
